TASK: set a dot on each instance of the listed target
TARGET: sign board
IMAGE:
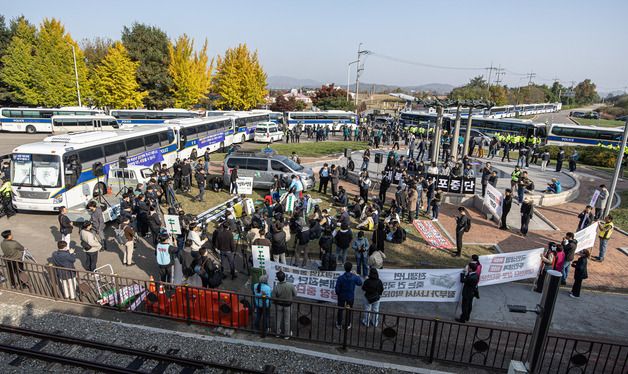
(586, 237)
(290, 201)
(509, 267)
(173, 226)
(249, 206)
(245, 185)
(493, 200)
(431, 285)
(594, 198)
(261, 256)
(431, 234)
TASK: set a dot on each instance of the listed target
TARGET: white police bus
(195, 135)
(70, 169)
(65, 123)
(572, 134)
(32, 120)
(333, 119)
(149, 117)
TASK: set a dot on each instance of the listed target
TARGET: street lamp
(349, 75)
(78, 90)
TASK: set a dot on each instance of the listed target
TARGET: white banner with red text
(509, 267)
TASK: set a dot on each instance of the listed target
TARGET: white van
(267, 132)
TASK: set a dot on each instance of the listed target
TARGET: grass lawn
(598, 122)
(610, 171)
(413, 253)
(310, 149)
(620, 215)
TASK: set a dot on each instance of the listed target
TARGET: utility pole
(357, 76)
(349, 75)
(490, 71)
(500, 72)
(467, 134)
(620, 159)
(437, 133)
(78, 91)
(560, 88)
(530, 75)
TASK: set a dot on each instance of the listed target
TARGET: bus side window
(72, 170)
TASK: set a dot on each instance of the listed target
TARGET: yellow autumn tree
(114, 82)
(190, 72)
(240, 80)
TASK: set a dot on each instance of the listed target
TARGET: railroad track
(67, 351)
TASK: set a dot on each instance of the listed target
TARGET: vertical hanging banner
(261, 257)
(493, 200)
(594, 198)
(509, 267)
(586, 237)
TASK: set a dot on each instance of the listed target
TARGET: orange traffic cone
(151, 284)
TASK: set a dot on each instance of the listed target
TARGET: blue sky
(571, 40)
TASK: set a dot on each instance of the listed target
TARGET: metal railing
(426, 338)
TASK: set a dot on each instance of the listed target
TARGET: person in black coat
(527, 211)
(462, 221)
(373, 289)
(506, 205)
(586, 218)
(581, 272)
(469, 291)
(154, 223)
(560, 158)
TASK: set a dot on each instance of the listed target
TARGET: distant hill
(284, 82)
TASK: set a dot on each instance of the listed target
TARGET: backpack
(328, 262)
(467, 227)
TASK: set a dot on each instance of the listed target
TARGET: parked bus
(70, 169)
(198, 134)
(150, 117)
(488, 126)
(334, 119)
(32, 120)
(65, 123)
(276, 117)
(572, 134)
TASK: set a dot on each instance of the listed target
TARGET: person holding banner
(345, 291)
(600, 202)
(262, 292)
(470, 280)
(527, 211)
(570, 245)
(605, 230)
(373, 289)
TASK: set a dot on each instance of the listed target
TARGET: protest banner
(509, 267)
(430, 285)
(586, 237)
(245, 185)
(261, 256)
(493, 200)
(173, 226)
(594, 198)
(431, 234)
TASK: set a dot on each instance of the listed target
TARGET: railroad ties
(60, 351)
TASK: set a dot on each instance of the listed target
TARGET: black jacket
(570, 249)
(65, 225)
(224, 241)
(325, 242)
(461, 223)
(343, 238)
(527, 210)
(154, 222)
(581, 268)
(278, 241)
(507, 204)
(470, 287)
(373, 289)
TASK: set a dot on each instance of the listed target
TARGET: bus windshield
(29, 170)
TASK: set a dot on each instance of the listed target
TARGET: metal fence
(429, 339)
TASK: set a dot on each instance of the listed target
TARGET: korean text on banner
(586, 237)
(431, 285)
(245, 185)
(173, 226)
(493, 200)
(261, 257)
(509, 267)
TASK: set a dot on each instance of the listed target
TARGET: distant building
(298, 96)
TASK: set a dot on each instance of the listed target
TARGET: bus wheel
(271, 141)
(222, 147)
(243, 139)
(100, 189)
(30, 129)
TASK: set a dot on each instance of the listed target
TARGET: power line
(422, 64)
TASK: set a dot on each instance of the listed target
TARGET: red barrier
(200, 305)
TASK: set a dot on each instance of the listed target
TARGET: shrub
(595, 156)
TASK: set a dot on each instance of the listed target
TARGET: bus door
(97, 124)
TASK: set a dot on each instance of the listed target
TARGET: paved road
(561, 116)
(8, 141)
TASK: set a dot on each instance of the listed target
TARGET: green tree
(240, 81)
(6, 34)
(53, 69)
(114, 80)
(476, 89)
(18, 64)
(586, 92)
(148, 45)
(190, 72)
(331, 97)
